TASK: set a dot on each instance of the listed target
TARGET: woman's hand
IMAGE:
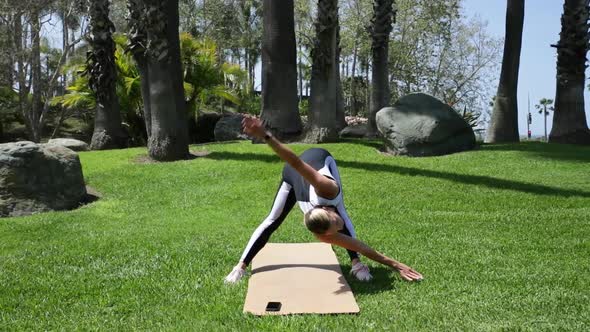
(407, 273)
(253, 127)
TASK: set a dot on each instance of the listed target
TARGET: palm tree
(504, 122)
(544, 106)
(203, 82)
(381, 26)
(108, 133)
(569, 121)
(154, 24)
(280, 109)
(323, 104)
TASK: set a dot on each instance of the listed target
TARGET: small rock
(229, 128)
(69, 143)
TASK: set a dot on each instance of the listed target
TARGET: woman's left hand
(253, 127)
(407, 273)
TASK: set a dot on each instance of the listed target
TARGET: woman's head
(323, 220)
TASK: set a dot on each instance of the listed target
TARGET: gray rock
(355, 131)
(316, 135)
(421, 125)
(229, 128)
(204, 130)
(39, 177)
(69, 143)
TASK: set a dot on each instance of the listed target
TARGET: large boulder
(354, 131)
(204, 127)
(421, 125)
(69, 143)
(39, 177)
(229, 128)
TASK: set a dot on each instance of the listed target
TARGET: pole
(528, 118)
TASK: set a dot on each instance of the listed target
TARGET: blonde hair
(317, 220)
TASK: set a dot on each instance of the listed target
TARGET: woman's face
(336, 223)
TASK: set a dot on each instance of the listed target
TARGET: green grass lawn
(501, 234)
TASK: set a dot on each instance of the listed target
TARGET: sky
(542, 24)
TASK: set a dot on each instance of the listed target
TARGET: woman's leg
(282, 205)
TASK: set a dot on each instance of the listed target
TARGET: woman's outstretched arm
(324, 186)
(347, 242)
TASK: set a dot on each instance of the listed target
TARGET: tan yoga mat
(303, 277)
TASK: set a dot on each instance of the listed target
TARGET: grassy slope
(501, 235)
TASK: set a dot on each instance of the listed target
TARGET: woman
(313, 181)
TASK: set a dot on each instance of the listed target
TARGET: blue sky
(542, 24)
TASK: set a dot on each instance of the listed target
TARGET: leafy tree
(422, 31)
(69, 13)
(433, 48)
(118, 15)
(200, 71)
(6, 52)
(235, 27)
(569, 121)
(8, 108)
(203, 84)
(37, 67)
(504, 125)
(206, 82)
(305, 36)
(249, 19)
(356, 47)
(462, 74)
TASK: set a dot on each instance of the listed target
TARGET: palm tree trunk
(383, 16)
(323, 117)
(504, 122)
(169, 135)
(108, 133)
(280, 110)
(569, 118)
(161, 76)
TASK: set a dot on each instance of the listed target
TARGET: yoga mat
(303, 277)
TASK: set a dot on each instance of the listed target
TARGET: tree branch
(53, 80)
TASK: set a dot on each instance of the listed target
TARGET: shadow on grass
(371, 143)
(478, 180)
(563, 152)
(383, 279)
